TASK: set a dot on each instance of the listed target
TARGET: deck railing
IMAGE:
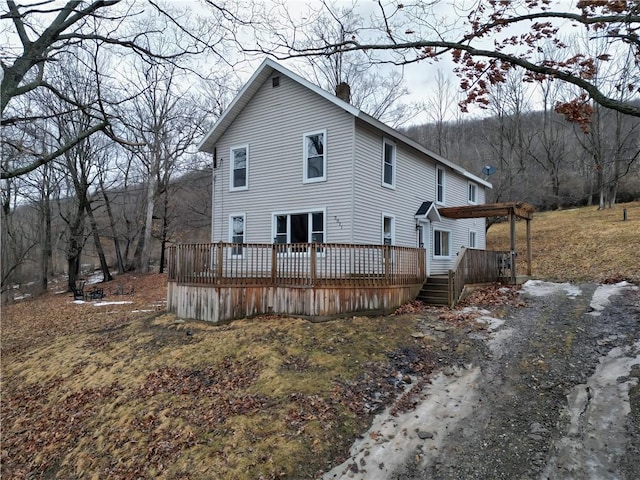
(476, 266)
(296, 264)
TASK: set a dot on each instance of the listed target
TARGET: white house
(295, 164)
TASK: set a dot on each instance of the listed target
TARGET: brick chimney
(343, 92)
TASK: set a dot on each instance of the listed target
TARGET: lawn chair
(78, 290)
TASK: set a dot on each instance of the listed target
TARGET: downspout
(353, 178)
(213, 192)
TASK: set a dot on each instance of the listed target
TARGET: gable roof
(428, 210)
(267, 68)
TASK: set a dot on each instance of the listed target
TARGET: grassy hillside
(578, 244)
(121, 390)
(118, 389)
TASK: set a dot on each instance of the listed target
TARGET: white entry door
(424, 233)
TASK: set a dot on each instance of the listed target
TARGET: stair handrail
(457, 278)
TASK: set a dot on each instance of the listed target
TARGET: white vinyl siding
(276, 183)
(239, 171)
(353, 199)
(372, 200)
(388, 163)
(315, 156)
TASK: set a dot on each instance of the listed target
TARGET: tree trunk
(73, 261)
(114, 232)
(145, 255)
(165, 229)
(106, 274)
(46, 252)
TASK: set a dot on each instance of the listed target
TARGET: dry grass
(582, 244)
(106, 392)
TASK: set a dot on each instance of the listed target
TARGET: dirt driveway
(555, 395)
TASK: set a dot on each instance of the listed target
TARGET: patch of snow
(22, 297)
(393, 440)
(600, 405)
(99, 304)
(142, 311)
(475, 310)
(492, 323)
(601, 297)
(538, 288)
(95, 277)
(79, 302)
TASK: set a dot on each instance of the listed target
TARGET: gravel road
(553, 393)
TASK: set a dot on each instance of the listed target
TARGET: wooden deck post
(313, 264)
(387, 263)
(219, 253)
(274, 263)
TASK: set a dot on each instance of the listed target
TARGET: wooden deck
(225, 281)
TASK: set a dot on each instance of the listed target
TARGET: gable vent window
(275, 82)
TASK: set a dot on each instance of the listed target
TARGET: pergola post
(512, 246)
(528, 247)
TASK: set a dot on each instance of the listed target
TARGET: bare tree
(45, 31)
(400, 34)
(376, 91)
(167, 122)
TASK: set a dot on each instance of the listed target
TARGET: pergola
(512, 210)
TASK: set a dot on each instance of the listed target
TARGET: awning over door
(428, 211)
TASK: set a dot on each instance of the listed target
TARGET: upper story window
(473, 193)
(236, 232)
(388, 164)
(440, 185)
(315, 156)
(388, 230)
(441, 243)
(239, 171)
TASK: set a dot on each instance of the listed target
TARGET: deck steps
(435, 291)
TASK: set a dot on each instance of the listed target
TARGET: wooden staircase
(435, 290)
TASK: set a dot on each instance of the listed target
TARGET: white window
(388, 229)
(440, 185)
(239, 170)
(236, 232)
(315, 156)
(441, 243)
(302, 227)
(388, 164)
(473, 193)
(473, 236)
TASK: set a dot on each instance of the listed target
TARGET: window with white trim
(388, 230)
(473, 193)
(315, 156)
(441, 243)
(236, 233)
(303, 227)
(388, 163)
(239, 171)
(440, 185)
(473, 239)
